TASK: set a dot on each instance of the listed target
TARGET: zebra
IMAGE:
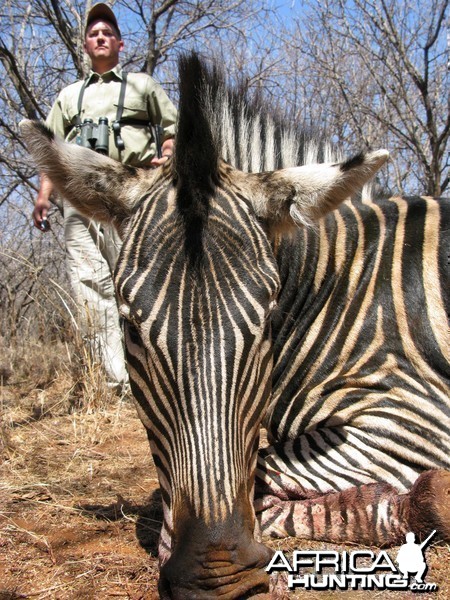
(254, 292)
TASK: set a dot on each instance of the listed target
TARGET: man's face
(102, 42)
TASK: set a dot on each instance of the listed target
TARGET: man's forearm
(46, 188)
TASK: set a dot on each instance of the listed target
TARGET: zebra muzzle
(220, 560)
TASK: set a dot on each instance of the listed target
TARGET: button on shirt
(145, 100)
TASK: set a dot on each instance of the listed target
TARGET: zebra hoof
(430, 505)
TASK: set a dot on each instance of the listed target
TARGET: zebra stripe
(361, 374)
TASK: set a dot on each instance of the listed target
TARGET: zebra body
(385, 343)
(361, 386)
(333, 333)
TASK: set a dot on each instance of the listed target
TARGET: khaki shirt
(144, 100)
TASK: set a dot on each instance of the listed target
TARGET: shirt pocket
(135, 108)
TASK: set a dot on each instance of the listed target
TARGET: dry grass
(79, 504)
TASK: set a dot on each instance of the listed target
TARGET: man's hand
(158, 162)
(167, 151)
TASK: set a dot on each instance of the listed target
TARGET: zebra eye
(272, 305)
(132, 316)
(124, 311)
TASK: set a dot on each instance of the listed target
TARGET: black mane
(216, 121)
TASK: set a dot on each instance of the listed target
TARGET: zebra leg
(372, 514)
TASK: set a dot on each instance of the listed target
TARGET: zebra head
(196, 282)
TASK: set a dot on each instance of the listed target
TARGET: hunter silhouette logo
(410, 557)
(357, 569)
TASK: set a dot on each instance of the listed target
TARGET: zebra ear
(96, 185)
(302, 195)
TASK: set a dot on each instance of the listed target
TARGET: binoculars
(94, 136)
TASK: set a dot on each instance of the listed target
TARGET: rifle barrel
(423, 544)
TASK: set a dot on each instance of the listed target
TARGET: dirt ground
(80, 510)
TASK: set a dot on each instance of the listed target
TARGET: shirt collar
(115, 73)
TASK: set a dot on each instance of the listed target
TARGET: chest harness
(96, 136)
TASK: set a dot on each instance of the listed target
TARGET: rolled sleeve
(55, 119)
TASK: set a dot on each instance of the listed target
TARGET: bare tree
(373, 72)
(164, 26)
(41, 51)
(367, 73)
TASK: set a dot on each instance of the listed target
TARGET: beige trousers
(91, 253)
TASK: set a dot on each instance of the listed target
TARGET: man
(131, 103)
